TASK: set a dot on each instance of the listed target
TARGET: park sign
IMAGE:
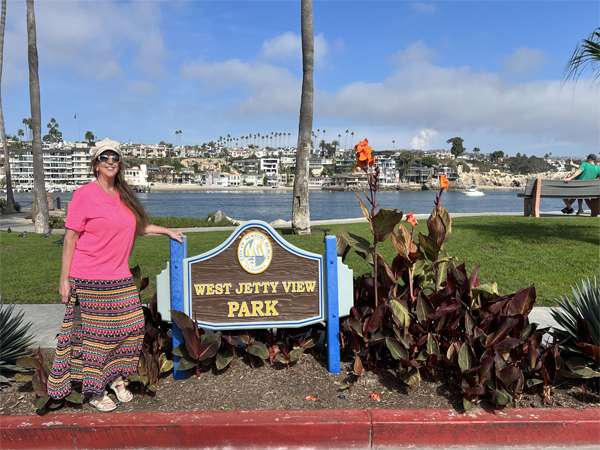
(257, 280)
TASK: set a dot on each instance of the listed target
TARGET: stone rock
(219, 216)
(278, 222)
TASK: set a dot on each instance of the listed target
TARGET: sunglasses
(106, 158)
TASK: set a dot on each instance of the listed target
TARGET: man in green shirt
(588, 170)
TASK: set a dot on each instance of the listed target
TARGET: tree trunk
(41, 219)
(10, 199)
(300, 210)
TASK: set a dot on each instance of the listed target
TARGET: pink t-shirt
(107, 230)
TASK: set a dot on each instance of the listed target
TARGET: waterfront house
(349, 181)
(270, 166)
(137, 176)
(417, 174)
(450, 172)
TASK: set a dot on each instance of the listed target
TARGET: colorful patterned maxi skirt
(101, 336)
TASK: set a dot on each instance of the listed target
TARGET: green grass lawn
(515, 252)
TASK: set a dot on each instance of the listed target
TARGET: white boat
(473, 192)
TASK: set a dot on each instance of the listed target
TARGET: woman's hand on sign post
(176, 235)
(154, 230)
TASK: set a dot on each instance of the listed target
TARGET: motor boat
(473, 192)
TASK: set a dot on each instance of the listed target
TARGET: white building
(137, 176)
(62, 165)
(270, 166)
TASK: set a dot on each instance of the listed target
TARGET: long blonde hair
(128, 197)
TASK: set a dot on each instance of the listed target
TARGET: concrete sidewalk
(46, 321)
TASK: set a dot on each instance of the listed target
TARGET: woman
(103, 347)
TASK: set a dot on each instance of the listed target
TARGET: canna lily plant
(424, 310)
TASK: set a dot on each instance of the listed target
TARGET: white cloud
(415, 54)
(523, 61)
(417, 95)
(422, 7)
(96, 39)
(423, 139)
(456, 99)
(288, 46)
(268, 89)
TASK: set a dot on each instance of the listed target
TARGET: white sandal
(123, 395)
(103, 403)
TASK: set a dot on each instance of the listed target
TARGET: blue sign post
(178, 254)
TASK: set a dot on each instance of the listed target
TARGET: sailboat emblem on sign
(255, 252)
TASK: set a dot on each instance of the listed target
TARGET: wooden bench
(536, 188)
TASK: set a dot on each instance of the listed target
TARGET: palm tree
(289, 137)
(586, 53)
(27, 123)
(20, 133)
(323, 135)
(41, 218)
(346, 141)
(339, 138)
(300, 209)
(89, 136)
(352, 139)
(10, 200)
(393, 145)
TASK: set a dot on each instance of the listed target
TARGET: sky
(404, 74)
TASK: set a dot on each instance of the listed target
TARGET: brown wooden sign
(255, 279)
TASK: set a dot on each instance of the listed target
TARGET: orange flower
(411, 219)
(375, 396)
(363, 155)
(444, 183)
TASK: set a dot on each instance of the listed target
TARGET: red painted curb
(302, 429)
(211, 429)
(528, 427)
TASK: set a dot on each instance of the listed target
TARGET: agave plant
(580, 320)
(14, 340)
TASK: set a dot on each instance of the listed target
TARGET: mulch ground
(265, 387)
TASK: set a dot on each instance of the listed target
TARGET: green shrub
(189, 222)
(14, 340)
(56, 222)
(579, 322)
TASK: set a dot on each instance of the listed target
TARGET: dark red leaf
(506, 324)
(192, 343)
(508, 343)
(485, 370)
(477, 390)
(375, 321)
(509, 375)
(209, 346)
(473, 279)
(355, 341)
(523, 301)
(437, 230)
(593, 351)
(443, 310)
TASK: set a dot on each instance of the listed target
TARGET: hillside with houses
(225, 165)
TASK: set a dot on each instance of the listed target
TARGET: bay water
(270, 205)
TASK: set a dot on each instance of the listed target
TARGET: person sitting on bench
(586, 171)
